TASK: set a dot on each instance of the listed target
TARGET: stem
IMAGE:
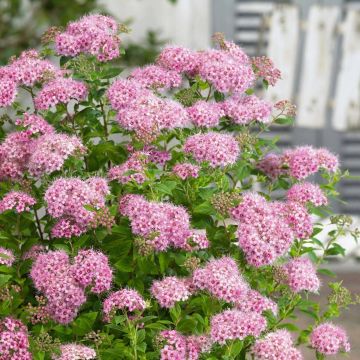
(38, 225)
(106, 132)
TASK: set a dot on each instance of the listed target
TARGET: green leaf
(4, 279)
(84, 323)
(284, 121)
(327, 272)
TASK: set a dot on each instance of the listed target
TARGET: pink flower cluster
(221, 278)
(60, 91)
(245, 109)
(307, 193)
(329, 339)
(66, 199)
(33, 252)
(180, 347)
(277, 345)
(35, 124)
(253, 301)
(163, 225)
(64, 283)
(159, 157)
(215, 148)
(16, 200)
(154, 76)
(27, 70)
(75, 352)
(91, 268)
(125, 299)
(235, 324)
(93, 34)
(170, 290)
(205, 114)
(227, 70)
(37, 149)
(14, 341)
(186, 170)
(263, 234)
(6, 257)
(179, 59)
(299, 162)
(131, 170)
(264, 68)
(300, 274)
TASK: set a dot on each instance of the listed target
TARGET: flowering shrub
(148, 217)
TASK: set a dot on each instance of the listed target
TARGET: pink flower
(75, 352)
(8, 91)
(169, 291)
(14, 341)
(35, 124)
(272, 165)
(277, 345)
(235, 324)
(307, 193)
(60, 91)
(154, 76)
(6, 257)
(92, 268)
(92, 34)
(221, 278)
(253, 301)
(186, 170)
(244, 109)
(206, 114)
(17, 200)
(218, 149)
(300, 274)
(179, 59)
(163, 225)
(264, 68)
(262, 232)
(329, 339)
(125, 299)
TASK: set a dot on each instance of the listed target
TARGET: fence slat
(317, 65)
(347, 97)
(283, 49)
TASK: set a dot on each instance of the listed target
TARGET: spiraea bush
(138, 215)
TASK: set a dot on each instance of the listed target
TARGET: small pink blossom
(18, 201)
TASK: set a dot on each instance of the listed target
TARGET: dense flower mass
(125, 299)
(170, 290)
(162, 224)
(91, 268)
(153, 76)
(93, 34)
(329, 339)
(179, 59)
(16, 200)
(221, 278)
(6, 256)
(277, 345)
(60, 91)
(8, 91)
(186, 170)
(66, 200)
(218, 149)
(131, 170)
(307, 193)
(300, 274)
(206, 114)
(263, 234)
(253, 301)
(235, 324)
(264, 68)
(178, 347)
(35, 124)
(75, 352)
(14, 341)
(244, 109)
(299, 163)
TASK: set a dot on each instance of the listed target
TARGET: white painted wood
(255, 6)
(347, 96)
(316, 73)
(283, 50)
(186, 23)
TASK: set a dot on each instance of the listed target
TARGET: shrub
(148, 217)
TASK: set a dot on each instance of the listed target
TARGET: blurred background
(316, 45)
